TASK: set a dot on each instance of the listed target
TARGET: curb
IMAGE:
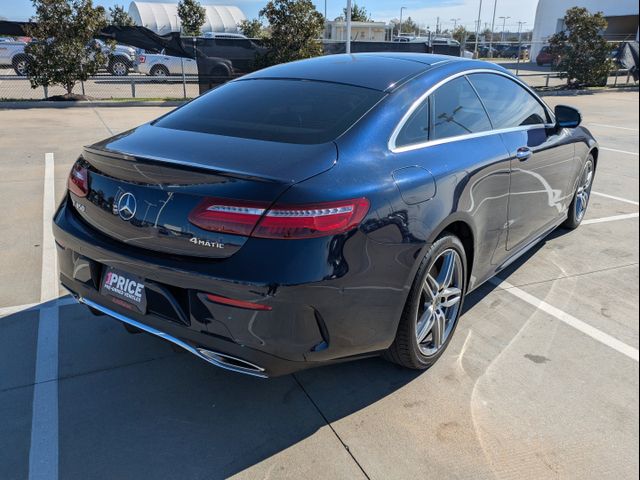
(88, 104)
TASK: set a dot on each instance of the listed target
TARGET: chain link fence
(536, 71)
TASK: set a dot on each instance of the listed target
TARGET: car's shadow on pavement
(129, 406)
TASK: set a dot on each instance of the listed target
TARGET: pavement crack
(326, 420)
(566, 277)
(95, 110)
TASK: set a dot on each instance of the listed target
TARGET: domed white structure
(163, 17)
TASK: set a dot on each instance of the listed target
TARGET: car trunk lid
(142, 185)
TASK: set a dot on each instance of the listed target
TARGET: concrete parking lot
(540, 380)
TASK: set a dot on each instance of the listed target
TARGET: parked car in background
(545, 57)
(12, 56)
(512, 52)
(241, 52)
(120, 60)
(222, 35)
(161, 65)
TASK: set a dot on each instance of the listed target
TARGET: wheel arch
(462, 227)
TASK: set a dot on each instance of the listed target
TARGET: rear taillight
(281, 221)
(79, 180)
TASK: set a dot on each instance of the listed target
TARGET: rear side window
(416, 130)
(287, 111)
(456, 110)
(509, 104)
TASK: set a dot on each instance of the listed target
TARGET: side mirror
(567, 117)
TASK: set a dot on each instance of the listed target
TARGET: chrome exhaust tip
(221, 360)
(228, 362)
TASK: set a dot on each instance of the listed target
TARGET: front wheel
(118, 67)
(580, 201)
(433, 307)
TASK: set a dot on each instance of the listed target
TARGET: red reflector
(282, 221)
(142, 59)
(227, 216)
(78, 182)
(237, 303)
(309, 221)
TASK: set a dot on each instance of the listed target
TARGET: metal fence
(139, 86)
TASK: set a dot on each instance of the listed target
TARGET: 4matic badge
(206, 243)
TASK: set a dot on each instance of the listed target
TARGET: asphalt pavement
(540, 380)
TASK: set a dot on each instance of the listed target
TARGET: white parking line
(620, 199)
(570, 320)
(43, 451)
(6, 311)
(613, 126)
(610, 219)
(619, 151)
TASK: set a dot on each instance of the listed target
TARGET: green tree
(64, 51)
(119, 17)
(408, 26)
(358, 14)
(252, 28)
(460, 34)
(582, 51)
(192, 17)
(296, 27)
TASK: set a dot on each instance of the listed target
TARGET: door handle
(523, 153)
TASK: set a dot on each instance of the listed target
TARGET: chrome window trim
(415, 105)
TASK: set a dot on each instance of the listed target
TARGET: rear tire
(431, 296)
(20, 65)
(580, 202)
(159, 71)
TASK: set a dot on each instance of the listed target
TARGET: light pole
(475, 49)
(493, 24)
(455, 22)
(504, 22)
(519, 45)
(400, 26)
(348, 49)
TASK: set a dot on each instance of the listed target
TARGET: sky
(424, 12)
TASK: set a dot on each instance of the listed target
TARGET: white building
(360, 31)
(163, 17)
(622, 16)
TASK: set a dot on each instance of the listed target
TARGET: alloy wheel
(584, 191)
(21, 67)
(440, 302)
(119, 69)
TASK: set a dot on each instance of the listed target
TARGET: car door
(448, 154)
(542, 157)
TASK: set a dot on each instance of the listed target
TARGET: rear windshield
(288, 111)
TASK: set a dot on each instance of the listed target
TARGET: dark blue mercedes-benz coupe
(322, 210)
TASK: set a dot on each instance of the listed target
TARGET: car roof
(383, 71)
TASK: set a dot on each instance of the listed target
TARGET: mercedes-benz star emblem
(127, 206)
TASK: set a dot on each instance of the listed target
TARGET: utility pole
(475, 50)
(348, 48)
(493, 24)
(455, 22)
(519, 45)
(400, 26)
(437, 25)
(504, 22)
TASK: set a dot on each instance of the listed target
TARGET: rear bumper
(323, 310)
